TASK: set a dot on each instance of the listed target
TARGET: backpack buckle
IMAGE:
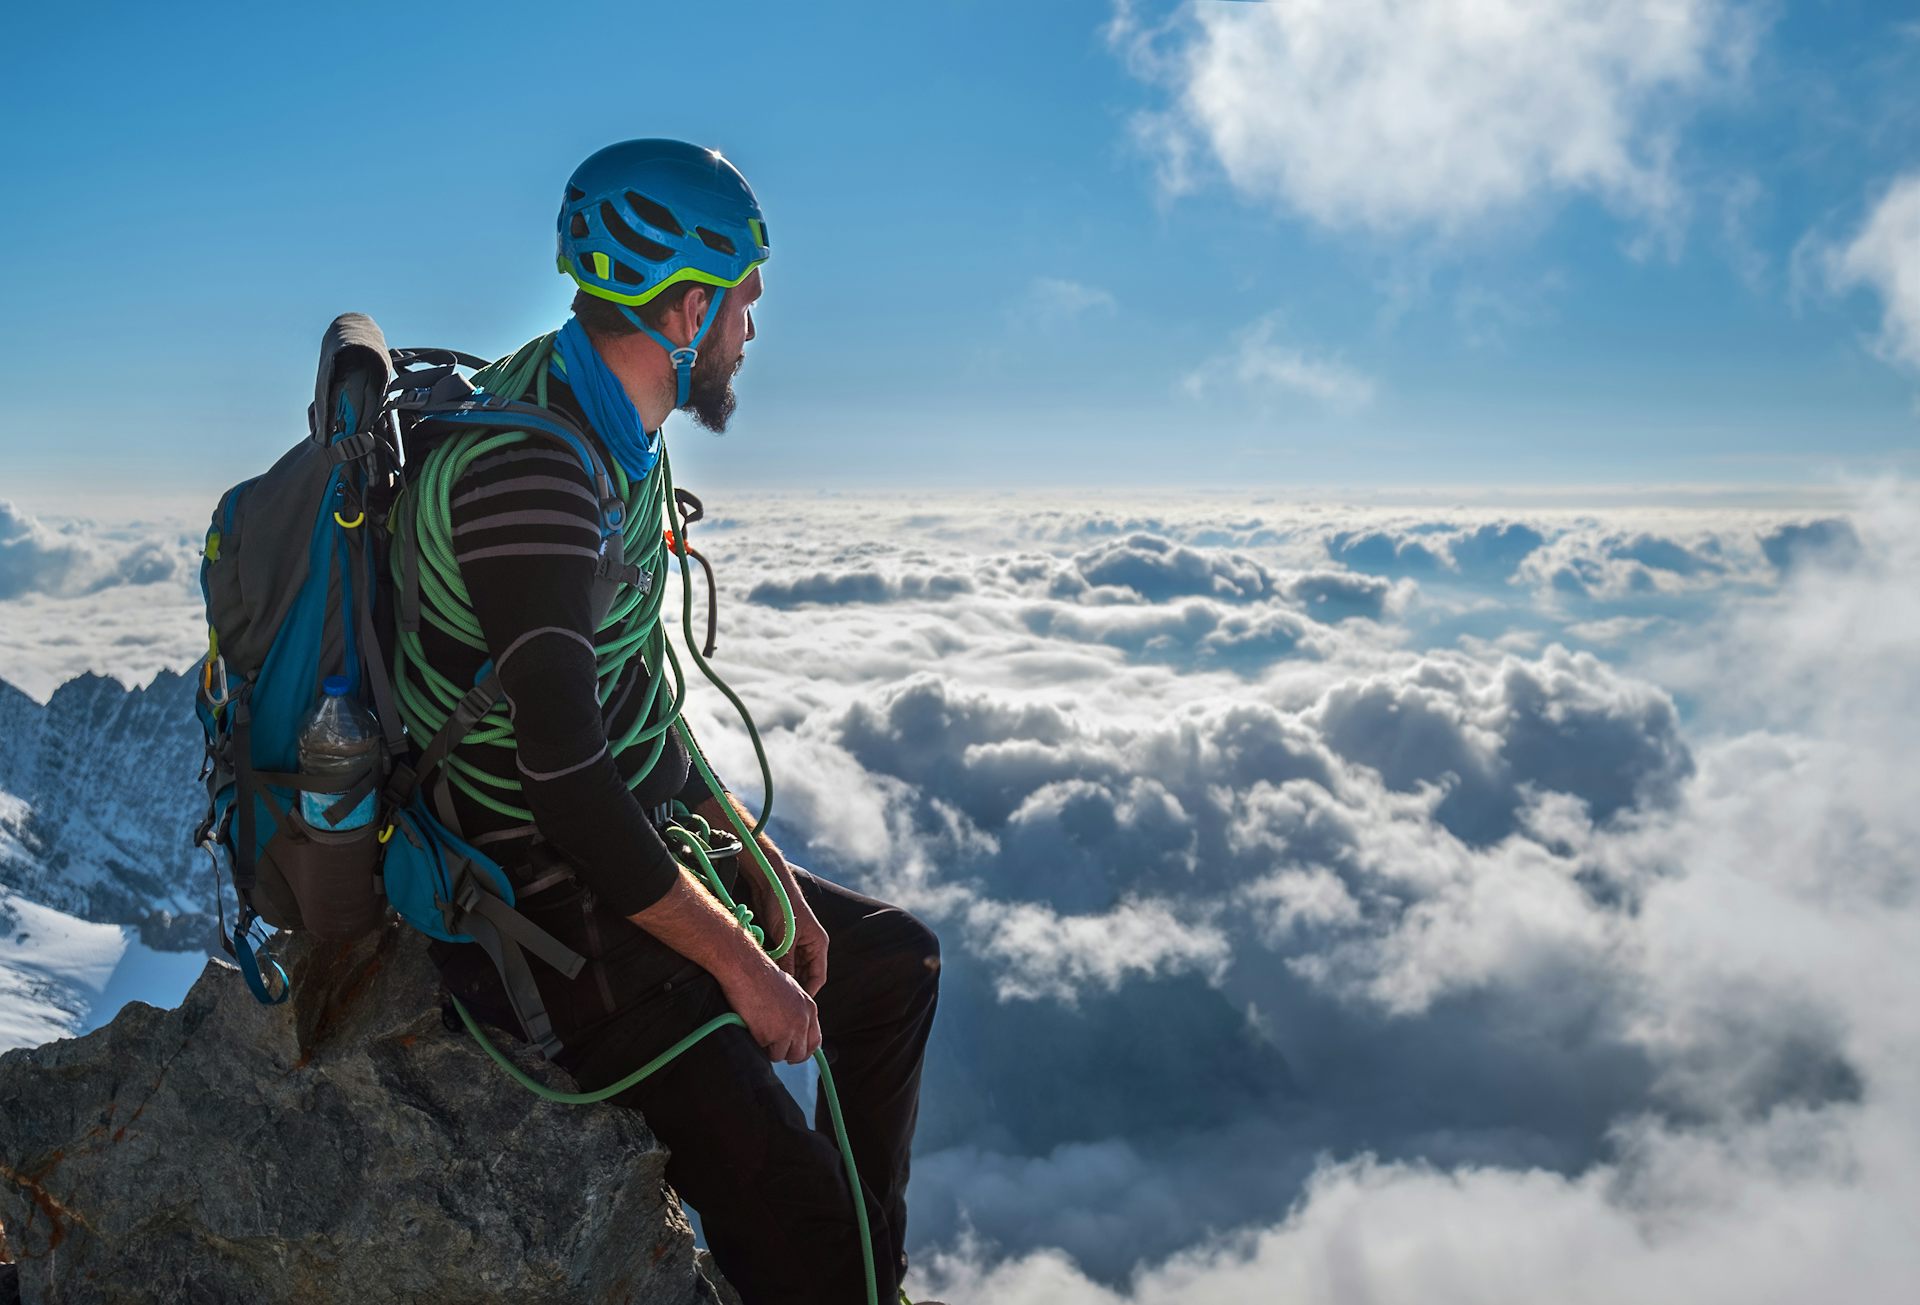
(351, 448)
(467, 894)
(623, 573)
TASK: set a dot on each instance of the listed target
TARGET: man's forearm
(691, 920)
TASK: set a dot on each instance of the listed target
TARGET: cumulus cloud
(1043, 954)
(1395, 114)
(1383, 551)
(81, 556)
(1757, 956)
(1581, 557)
(64, 606)
(1883, 256)
(1193, 633)
(1829, 540)
(1156, 569)
(1495, 549)
(1338, 595)
(33, 558)
(1610, 563)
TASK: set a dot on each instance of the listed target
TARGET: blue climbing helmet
(642, 215)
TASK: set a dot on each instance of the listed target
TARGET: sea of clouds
(1339, 904)
(80, 594)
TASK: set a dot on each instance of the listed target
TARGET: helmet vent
(575, 194)
(651, 250)
(579, 226)
(626, 275)
(654, 215)
(714, 240)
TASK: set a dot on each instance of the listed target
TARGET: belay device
(294, 577)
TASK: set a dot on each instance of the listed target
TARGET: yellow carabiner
(386, 833)
(358, 517)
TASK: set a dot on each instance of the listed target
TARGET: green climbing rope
(631, 627)
(422, 520)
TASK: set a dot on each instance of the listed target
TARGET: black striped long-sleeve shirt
(526, 539)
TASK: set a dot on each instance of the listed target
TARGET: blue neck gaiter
(604, 400)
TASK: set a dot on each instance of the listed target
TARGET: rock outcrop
(346, 1145)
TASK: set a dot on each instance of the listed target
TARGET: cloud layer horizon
(1348, 903)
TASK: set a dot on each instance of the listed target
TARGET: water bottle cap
(336, 686)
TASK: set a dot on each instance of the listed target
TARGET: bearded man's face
(710, 396)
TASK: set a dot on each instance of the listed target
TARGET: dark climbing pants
(770, 1189)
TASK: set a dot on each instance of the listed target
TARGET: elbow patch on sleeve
(550, 685)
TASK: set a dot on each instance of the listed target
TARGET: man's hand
(780, 1017)
(806, 960)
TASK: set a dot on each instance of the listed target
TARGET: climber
(665, 243)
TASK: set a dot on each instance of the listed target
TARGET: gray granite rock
(343, 1146)
(704, 1259)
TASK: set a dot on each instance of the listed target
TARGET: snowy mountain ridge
(99, 796)
(102, 899)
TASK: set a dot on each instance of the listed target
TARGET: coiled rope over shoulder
(632, 628)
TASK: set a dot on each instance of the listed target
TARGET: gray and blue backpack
(295, 581)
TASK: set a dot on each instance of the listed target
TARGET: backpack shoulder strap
(437, 393)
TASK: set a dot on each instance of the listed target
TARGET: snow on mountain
(98, 801)
(61, 976)
(51, 966)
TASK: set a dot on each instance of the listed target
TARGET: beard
(710, 396)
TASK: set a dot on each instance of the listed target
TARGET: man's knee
(915, 953)
(925, 946)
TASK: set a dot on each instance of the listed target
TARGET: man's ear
(691, 312)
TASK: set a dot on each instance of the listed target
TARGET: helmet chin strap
(683, 356)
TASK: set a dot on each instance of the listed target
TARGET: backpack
(294, 580)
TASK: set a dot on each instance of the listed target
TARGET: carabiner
(216, 667)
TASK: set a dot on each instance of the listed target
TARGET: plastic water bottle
(340, 741)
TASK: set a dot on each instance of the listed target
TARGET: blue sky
(1045, 245)
(1590, 822)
